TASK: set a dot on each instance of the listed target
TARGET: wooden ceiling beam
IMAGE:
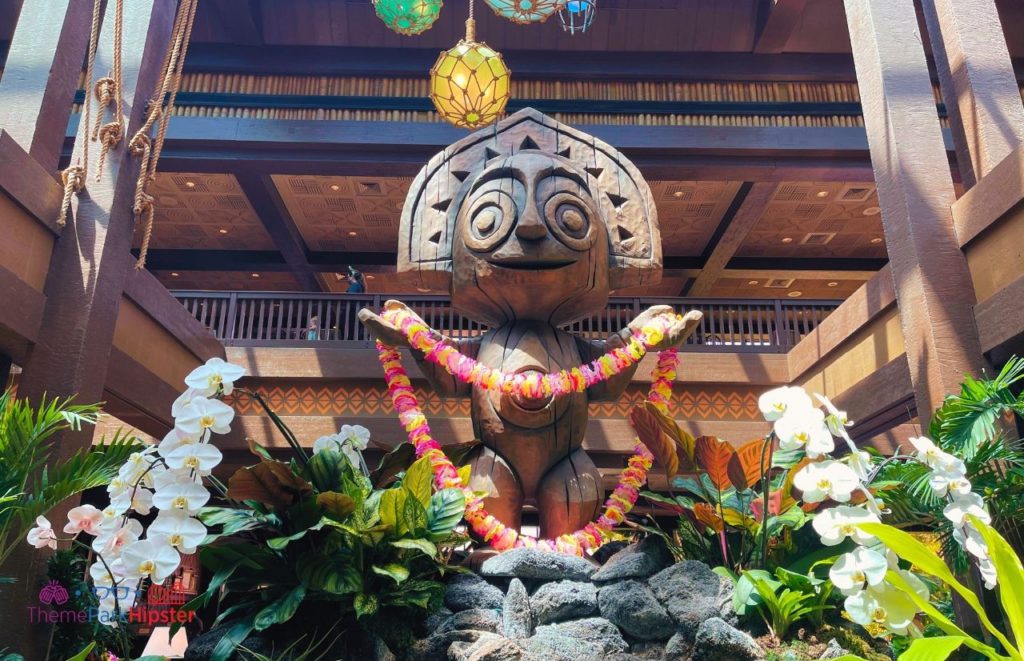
(273, 213)
(776, 22)
(783, 270)
(741, 217)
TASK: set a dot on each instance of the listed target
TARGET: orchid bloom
(970, 504)
(827, 479)
(935, 457)
(84, 518)
(174, 440)
(183, 400)
(836, 420)
(138, 499)
(202, 414)
(42, 534)
(860, 462)
(181, 495)
(853, 570)
(806, 429)
(777, 402)
(837, 523)
(215, 376)
(357, 435)
(954, 484)
(200, 457)
(884, 605)
(111, 542)
(988, 572)
(181, 530)
(152, 558)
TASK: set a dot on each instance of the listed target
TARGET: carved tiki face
(530, 220)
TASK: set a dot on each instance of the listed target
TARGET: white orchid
(182, 531)
(968, 537)
(42, 534)
(110, 542)
(837, 523)
(357, 435)
(805, 429)
(777, 402)
(152, 558)
(137, 499)
(863, 566)
(949, 483)
(884, 605)
(935, 457)
(84, 518)
(215, 375)
(200, 457)
(836, 420)
(183, 400)
(172, 476)
(961, 507)
(860, 462)
(988, 572)
(175, 439)
(181, 495)
(136, 465)
(205, 414)
(107, 575)
(827, 479)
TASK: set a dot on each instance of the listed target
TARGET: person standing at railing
(355, 282)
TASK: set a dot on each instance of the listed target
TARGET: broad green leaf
(278, 543)
(337, 505)
(925, 560)
(325, 469)
(444, 512)
(84, 654)
(392, 503)
(413, 520)
(932, 649)
(418, 480)
(234, 520)
(269, 482)
(425, 546)
(744, 594)
(725, 572)
(421, 593)
(465, 472)
(798, 582)
(281, 609)
(392, 464)
(234, 636)
(333, 573)
(394, 571)
(367, 515)
(1011, 579)
(366, 604)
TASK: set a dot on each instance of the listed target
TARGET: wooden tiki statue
(529, 224)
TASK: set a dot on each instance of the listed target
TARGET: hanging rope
(158, 114)
(74, 175)
(110, 89)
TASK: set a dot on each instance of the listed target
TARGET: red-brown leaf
(707, 515)
(712, 456)
(745, 465)
(651, 434)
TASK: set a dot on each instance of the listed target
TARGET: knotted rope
(109, 88)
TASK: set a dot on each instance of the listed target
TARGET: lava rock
(515, 613)
(466, 591)
(436, 619)
(463, 650)
(834, 650)
(640, 560)
(475, 619)
(690, 592)
(602, 554)
(531, 563)
(718, 641)
(563, 600)
(631, 606)
(576, 640)
(678, 648)
(435, 648)
(381, 651)
(492, 649)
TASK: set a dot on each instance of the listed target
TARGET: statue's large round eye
(492, 214)
(568, 216)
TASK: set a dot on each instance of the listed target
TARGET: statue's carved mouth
(533, 265)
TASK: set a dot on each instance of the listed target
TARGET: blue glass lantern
(525, 11)
(577, 15)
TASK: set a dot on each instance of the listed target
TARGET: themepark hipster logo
(156, 611)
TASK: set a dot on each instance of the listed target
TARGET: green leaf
(366, 604)
(745, 594)
(932, 649)
(425, 546)
(282, 609)
(337, 505)
(334, 573)
(394, 571)
(234, 636)
(925, 560)
(392, 464)
(392, 503)
(1011, 578)
(444, 512)
(418, 480)
(465, 472)
(325, 469)
(278, 543)
(84, 654)
(421, 593)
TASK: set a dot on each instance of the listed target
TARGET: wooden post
(978, 84)
(915, 190)
(41, 75)
(87, 275)
(5, 371)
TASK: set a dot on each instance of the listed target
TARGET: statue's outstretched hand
(384, 330)
(678, 330)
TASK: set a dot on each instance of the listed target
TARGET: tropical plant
(781, 598)
(29, 486)
(67, 568)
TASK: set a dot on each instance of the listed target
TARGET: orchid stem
(766, 448)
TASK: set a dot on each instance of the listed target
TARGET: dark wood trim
(777, 20)
(809, 263)
(992, 198)
(1000, 317)
(880, 401)
(273, 213)
(20, 316)
(145, 290)
(29, 184)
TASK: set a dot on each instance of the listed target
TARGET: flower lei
(490, 529)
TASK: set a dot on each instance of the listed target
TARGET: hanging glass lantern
(408, 17)
(525, 11)
(577, 15)
(469, 84)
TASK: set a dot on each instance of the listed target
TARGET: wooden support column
(5, 371)
(776, 22)
(741, 217)
(41, 75)
(87, 275)
(978, 84)
(933, 286)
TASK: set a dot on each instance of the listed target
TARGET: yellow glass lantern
(469, 83)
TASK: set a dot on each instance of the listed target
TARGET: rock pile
(526, 605)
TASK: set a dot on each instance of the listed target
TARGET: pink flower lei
(446, 476)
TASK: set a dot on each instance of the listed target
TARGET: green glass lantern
(526, 11)
(408, 17)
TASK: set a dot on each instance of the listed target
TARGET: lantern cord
(471, 23)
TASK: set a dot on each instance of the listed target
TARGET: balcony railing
(301, 319)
